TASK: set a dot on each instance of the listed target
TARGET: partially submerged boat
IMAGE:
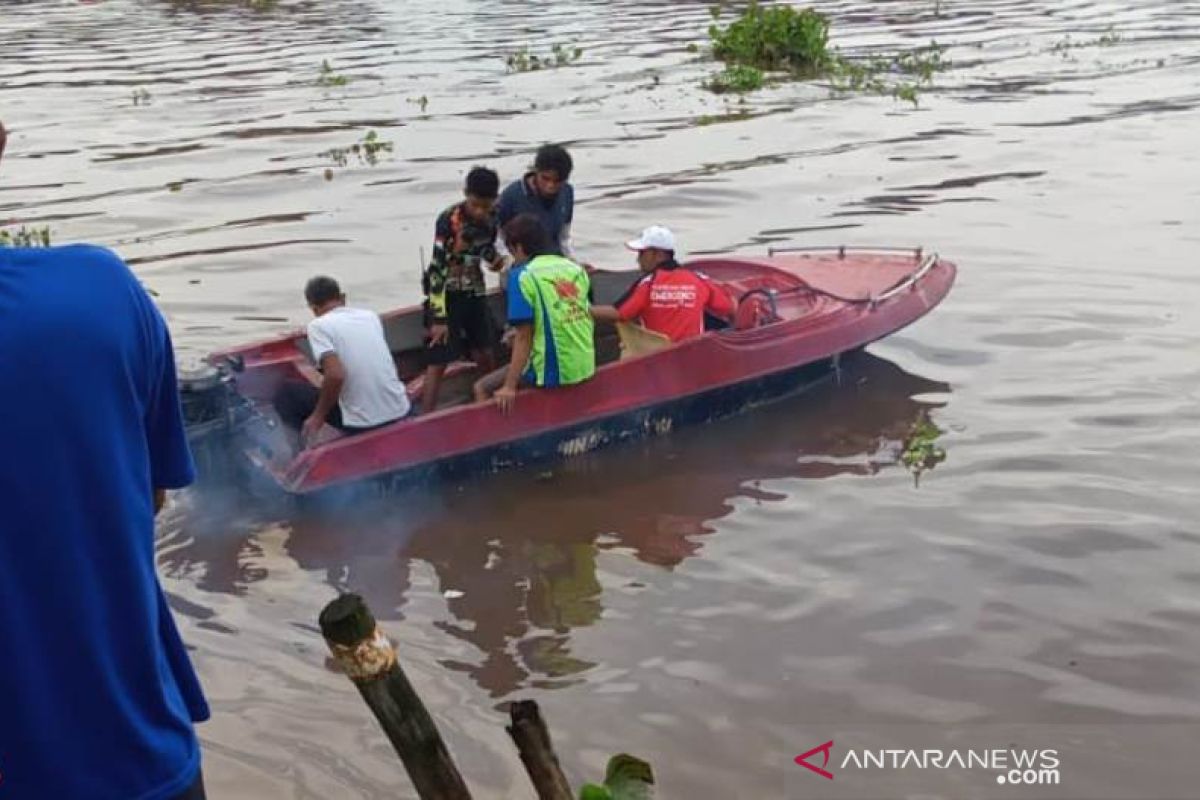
(798, 310)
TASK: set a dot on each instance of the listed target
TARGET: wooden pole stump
(532, 738)
(367, 657)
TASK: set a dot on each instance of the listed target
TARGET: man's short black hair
(483, 183)
(554, 157)
(321, 290)
(527, 232)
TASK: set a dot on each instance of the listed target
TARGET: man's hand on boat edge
(506, 398)
(309, 431)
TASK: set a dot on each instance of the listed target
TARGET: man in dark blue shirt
(97, 695)
(546, 194)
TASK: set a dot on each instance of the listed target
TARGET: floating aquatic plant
(774, 38)
(902, 75)
(1063, 47)
(26, 237)
(921, 451)
(526, 60)
(736, 79)
(367, 151)
(626, 778)
(794, 43)
(328, 77)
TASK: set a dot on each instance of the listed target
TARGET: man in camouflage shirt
(457, 314)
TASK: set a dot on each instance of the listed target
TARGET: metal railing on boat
(842, 249)
(926, 263)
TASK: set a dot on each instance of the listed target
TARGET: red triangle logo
(802, 760)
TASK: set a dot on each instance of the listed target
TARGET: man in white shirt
(360, 389)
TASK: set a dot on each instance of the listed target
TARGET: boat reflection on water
(523, 550)
(515, 555)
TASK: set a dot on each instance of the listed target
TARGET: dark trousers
(295, 402)
(196, 791)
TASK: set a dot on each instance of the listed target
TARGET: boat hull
(572, 441)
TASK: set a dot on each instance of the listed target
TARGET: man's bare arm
(522, 346)
(331, 385)
(606, 314)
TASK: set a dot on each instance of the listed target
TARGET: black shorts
(471, 328)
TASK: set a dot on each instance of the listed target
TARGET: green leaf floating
(627, 778)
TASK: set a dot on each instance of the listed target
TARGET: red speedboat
(797, 311)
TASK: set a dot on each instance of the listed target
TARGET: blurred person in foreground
(97, 695)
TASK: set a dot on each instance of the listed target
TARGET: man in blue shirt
(97, 696)
(546, 194)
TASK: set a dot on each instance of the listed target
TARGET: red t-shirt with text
(672, 301)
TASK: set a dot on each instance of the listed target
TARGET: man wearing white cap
(670, 299)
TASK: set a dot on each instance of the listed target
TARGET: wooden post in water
(532, 738)
(365, 654)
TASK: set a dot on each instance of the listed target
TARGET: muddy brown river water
(718, 599)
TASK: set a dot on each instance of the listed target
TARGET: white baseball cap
(655, 236)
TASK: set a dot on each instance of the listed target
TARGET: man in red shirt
(670, 299)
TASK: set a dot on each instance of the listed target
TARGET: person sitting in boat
(360, 389)
(548, 304)
(670, 299)
(456, 309)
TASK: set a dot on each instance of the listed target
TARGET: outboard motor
(211, 412)
(205, 398)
